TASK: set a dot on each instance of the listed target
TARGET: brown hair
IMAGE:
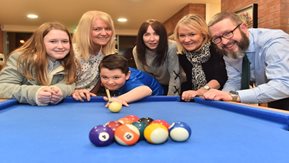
(33, 61)
(225, 15)
(115, 61)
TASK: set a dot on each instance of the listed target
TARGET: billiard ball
(133, 118)
(115, 107)
(179, 131)
(146, 120)
(156, 133)
(126, 134)
(140, 126)
(101, 135)
(163, 122)
(125, 120)
(113, 125)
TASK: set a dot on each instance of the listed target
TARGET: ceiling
(13, 12)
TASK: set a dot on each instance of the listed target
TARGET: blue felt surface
(59, 133)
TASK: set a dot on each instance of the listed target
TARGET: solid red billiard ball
(126, 134)
(163, 122)
(125, 120)
(101, 135)
(180, 131)
(113, 125)
(156, 133)
(133, 118)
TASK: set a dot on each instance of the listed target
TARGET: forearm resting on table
(136, 94)
(213, 84)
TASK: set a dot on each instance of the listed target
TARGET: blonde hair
(194, 22)
(82, 35)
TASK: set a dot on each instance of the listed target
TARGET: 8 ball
(146, 120)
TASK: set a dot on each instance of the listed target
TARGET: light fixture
(32, 16)
(122, 20)
(22, 41)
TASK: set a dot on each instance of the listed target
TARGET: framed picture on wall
(249, 15)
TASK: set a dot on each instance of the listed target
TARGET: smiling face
(237, 44)
(189, 38)
(151, 38)
(57, 44)
(113, 79)
(101, 33)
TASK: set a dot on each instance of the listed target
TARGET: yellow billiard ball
(156, 133)
(115, 106)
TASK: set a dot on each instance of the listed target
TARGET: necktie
(245, 78)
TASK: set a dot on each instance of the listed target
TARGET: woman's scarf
(196, 59)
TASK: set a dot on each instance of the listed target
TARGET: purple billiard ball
(179, 131)
(101, 135)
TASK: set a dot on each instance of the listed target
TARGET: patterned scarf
(196, 59)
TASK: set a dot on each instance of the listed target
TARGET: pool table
(222, 132)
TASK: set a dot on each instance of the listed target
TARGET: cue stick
(108, 94)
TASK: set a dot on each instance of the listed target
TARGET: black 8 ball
(146, 120)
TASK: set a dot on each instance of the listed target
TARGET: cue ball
(179, 131)
(101, 135)
(156, 133)
(115, 107)
(126, 134)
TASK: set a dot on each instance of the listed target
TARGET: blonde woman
(203, 65)
(93, 39)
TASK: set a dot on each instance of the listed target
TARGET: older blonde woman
(202, 63)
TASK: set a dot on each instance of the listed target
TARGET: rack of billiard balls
(130, 129)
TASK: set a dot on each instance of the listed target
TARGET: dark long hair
(162, 48)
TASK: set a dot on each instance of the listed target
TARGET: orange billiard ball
(126, 134)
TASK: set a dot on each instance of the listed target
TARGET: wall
(271, 13)
(199, 9)
(212, 9)
(1, 41)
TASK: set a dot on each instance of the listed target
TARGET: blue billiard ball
(101, 135)
(179, 131)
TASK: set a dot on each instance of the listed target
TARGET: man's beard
(243, 46)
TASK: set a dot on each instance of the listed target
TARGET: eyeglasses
(227, 35)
